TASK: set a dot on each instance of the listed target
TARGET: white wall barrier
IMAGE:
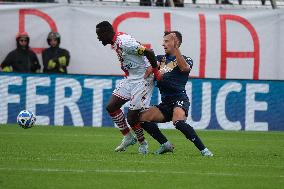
(224, 44)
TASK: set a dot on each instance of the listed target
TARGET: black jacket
(22, 60)
(54, 53)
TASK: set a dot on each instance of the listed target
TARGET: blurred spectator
(167, 3)
(145, 3)
(226, 2)
(22, 59)
(37, 1)
(54, 58)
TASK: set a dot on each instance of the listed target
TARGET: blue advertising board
(80, 100)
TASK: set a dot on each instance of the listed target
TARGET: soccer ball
(26, 119)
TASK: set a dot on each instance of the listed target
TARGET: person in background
(54, 58)
(22, 59)
(170, 3)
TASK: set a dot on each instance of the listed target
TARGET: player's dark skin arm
(150, 55)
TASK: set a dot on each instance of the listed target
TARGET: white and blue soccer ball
(26, 119)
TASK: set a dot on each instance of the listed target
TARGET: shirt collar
(115, 37)
(171, 57)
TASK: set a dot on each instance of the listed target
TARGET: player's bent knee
(112, 107)
(109, 108)
(178, 114)
(132, 122)
(133, 117)
(152, 115)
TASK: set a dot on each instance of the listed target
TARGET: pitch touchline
(133, 161)
(132, 171)
(103, 135)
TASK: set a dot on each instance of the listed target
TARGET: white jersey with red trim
(130, 54)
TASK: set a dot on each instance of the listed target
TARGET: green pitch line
(73, 158)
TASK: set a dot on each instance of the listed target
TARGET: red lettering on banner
(128, 15)
(35, 12)
(229, 54)
(167, 21)
(202, 61)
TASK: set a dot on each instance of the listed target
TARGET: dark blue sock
(152, 129)
(189, 133)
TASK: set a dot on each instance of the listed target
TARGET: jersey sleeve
(66, 55)
(130, 46)
(8, 60)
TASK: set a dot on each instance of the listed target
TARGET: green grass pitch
(48, 157)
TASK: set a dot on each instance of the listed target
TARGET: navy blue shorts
(167, 107)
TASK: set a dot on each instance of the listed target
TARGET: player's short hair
(104, 26)
(178, 34)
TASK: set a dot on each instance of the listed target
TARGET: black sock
(152, 129)
(189, 133)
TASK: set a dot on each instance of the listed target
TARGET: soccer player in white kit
(135, 60)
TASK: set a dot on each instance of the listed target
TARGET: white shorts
(138, 93)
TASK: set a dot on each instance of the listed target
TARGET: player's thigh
(152, 114)
(178, 114)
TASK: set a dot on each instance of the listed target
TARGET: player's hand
(149, 70)
(157, 74)
(175, 40)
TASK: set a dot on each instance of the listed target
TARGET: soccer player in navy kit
(175, 69)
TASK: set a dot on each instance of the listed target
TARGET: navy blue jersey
(174, 80)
